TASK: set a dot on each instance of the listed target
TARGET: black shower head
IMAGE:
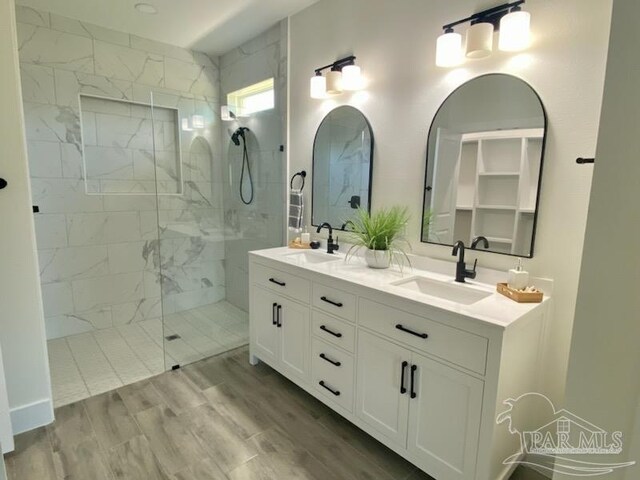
(235, 138)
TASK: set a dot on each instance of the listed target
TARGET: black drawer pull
(403, 389)
(404, 329)
(335, 392)
(413, 373)
(273, 314)
(277, 282)
(330, 332)
(335, 304)
(332, 362)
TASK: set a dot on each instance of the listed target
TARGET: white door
(445, 185)
(293, 322)
(264, 324)
(6, 430)
(379, 399)
(444, 418)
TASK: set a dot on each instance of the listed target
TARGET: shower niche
(130, 148)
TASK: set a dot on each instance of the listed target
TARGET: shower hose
(246, 166)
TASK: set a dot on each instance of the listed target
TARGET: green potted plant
(381, 234)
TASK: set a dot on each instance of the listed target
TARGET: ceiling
(211, 26)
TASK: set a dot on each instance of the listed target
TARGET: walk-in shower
(142, 235)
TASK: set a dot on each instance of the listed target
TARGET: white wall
(394, 42)
(21, 319)
(603, 384)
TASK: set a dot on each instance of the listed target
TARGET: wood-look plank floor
(218, 419)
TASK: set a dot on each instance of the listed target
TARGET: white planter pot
(377, 258)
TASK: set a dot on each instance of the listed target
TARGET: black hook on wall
(583, 161)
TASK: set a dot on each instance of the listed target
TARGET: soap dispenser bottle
(518, 278)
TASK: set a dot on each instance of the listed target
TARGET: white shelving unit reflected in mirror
(497, 187)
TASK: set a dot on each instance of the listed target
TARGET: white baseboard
(33, 415)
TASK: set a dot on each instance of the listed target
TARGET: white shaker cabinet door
(380, 401)
(264, 324)
(444, 419)
(294, 325)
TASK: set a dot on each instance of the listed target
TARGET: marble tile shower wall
(130, 148)
(100, 255)
(261, 224)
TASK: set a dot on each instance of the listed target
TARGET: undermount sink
(310, 258)
(451, 292)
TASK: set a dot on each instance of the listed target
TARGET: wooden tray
(517, 296)
(299, 246)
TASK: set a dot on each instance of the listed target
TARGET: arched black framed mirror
(484, 165)
(342, 166)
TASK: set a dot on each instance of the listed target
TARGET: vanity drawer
(337, 302)
(284, 283)
(456, 346)
(334, 331)
(332, 373)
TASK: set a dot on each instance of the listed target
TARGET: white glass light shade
(479, 40)
(449, 50)
(197, 121)
(334, 82)
(351, 78)
(318, 87)
(515, 31)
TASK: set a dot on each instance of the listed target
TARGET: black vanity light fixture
(343, 75)
(509, 19)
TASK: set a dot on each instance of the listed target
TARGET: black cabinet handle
(332, 362)
(273, 314)
(3, 183)
(406, 330)
(279, 316)
(413, 373)
(277, 282)
(403, 389)
(335, 304)
(330, 332)
(335, 392)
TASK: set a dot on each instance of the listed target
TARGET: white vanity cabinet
(425, 380)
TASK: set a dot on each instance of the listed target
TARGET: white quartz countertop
(495, 309)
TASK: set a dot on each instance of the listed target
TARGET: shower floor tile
(95, 362)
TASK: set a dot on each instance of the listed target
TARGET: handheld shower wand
(238, 135)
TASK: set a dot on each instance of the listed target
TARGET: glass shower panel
(189, 217)
(98, 239)
(261, 223)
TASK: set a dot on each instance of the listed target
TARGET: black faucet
(331, 247)
(461, 268)
(479, 239)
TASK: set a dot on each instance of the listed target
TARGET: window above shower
(252, 99)
(130, 148)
